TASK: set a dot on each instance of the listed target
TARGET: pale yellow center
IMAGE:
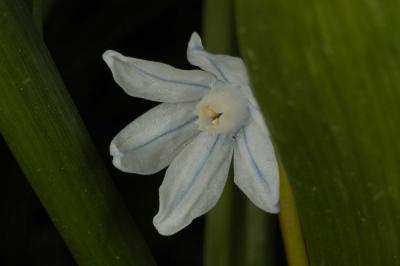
(223, 110)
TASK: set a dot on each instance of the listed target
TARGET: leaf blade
(326, 74)
(47, 137)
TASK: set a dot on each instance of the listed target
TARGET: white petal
(256, 115)
(255, 166)
(226, 68)
(150, 142)
(193, 182)
(156, 81)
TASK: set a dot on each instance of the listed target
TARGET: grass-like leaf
(47, 137)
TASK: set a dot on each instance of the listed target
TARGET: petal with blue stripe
(156, 81)
(224, 67)
(193, 182)
(149, 143)
(255, 166)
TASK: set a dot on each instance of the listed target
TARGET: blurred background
(77, 33)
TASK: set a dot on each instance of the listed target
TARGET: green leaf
(40, 10)
(47, 137)
(327, 74)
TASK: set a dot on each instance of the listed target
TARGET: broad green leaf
(47, 137)
(327, 75)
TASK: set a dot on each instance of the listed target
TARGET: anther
(215, 122)
(223, 110)
(211, 112)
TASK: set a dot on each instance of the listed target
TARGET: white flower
(207, 117)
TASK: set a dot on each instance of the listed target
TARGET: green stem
(261, 234)
(48, 139)
(218, 37)
(237, 232)
(219, 228)
(218, 25)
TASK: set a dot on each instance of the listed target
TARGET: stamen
(215, 122)
(211, 112)
(214, 116)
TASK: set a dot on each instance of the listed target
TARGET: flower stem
(47, 137)
(261, 237)
(218, 38)
(218, 234)
(237, 232)
(218, 25)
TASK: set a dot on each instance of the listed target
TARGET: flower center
(223, 110)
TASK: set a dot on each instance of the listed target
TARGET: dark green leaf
(327, 74)
(47, 137)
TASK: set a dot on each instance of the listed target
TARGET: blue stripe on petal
(254, 163)
(191, 120)
(182, 195)
(252, 105)
(219, 70)
(202, 86)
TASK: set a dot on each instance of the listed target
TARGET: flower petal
(193, 182)
(156, 81)
(255, 166)
(149, 143)
(225, 68)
